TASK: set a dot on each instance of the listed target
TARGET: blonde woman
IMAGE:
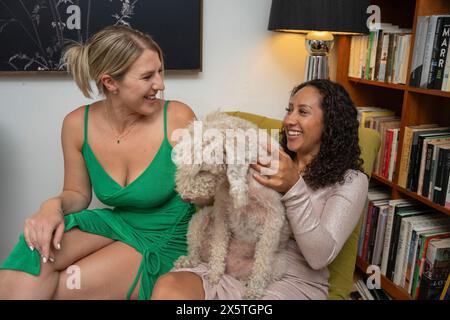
(120, 147)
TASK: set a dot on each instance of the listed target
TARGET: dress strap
(86, 113)
(165, 119)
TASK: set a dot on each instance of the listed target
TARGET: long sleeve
(321, 230)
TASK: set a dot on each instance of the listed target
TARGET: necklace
(125, 133)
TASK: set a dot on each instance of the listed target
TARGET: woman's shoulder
(355, 182)
(75, 117)
(179, 114)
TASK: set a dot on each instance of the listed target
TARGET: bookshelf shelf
(393, 290)
(430, 92)
(378, 83)
(423, 200)
(383, 180)
(414, 106)
(410, 194)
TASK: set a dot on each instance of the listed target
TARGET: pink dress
(320, 221)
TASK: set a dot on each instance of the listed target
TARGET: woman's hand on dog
(283, 173)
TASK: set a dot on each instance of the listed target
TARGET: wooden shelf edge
(383, 180)
(430, 92)
(410, 194)
(393, 290)
(378, 83)
(424, 200)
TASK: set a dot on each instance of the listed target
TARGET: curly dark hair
(339, 149)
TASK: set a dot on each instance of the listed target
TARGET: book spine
(440, 187)
(405, 158)
(419, 47)
(367, 233)
(444, 36)
(387, 240)
(427, 171)
(400, 253)
(445, 82)
(394, 245)
(393, 160)
(428, 51)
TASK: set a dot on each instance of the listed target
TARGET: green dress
(147, 214)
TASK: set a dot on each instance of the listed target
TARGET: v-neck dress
(147, 214)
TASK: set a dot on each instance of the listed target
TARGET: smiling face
(303, 122)
(140, 84)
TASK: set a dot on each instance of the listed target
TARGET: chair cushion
(343, 267)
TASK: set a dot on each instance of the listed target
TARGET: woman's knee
(178, 286)
(166, 287)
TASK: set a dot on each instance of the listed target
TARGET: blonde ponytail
(77, 62)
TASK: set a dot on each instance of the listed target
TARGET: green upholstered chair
(343, 267)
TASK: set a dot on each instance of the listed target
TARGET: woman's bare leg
(75, 245)
(105, 274)
(179, 286)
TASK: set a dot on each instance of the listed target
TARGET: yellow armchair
(343, 267)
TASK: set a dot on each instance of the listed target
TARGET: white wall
(245, 67)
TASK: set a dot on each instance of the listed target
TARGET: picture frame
(35, 33)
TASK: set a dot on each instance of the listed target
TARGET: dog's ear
(237, 177)
(236, 155)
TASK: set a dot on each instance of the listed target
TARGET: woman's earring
(114, 92)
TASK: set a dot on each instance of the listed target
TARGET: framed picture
(34, 33)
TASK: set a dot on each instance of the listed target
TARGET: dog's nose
(186, 199)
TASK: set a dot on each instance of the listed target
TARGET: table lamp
(320, 19)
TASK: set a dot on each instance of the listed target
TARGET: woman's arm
(321, 236)
(48, 222)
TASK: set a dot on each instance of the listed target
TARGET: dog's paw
(185, 262)
(252, 294)
(214, 277)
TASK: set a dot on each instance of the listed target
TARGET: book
(439, 44)
(400, 211)
(436, 269)
(399, 244)
(425, 222)
(430, 47)
(393, 158)
(443, 39)
(442, 172)
(426, 156)
(434, 168)
(415, 153)
(424, 239)
(388, 232)
(419, 48)
(429, 226)
(445, 295)
(379, 235)
(406, 151)
(430, 167)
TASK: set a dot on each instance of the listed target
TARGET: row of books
(382, 55)
(425, 162)
(410, 243)
(388, 125)
(431, 62)
(362, 292)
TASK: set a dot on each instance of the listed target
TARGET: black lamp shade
(346, 16)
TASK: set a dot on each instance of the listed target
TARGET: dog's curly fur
(242, 232)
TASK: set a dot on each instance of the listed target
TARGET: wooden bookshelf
(387, 285)
(413, 105)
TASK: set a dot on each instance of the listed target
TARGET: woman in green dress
(121, 148)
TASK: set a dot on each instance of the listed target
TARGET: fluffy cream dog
(240, 229)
